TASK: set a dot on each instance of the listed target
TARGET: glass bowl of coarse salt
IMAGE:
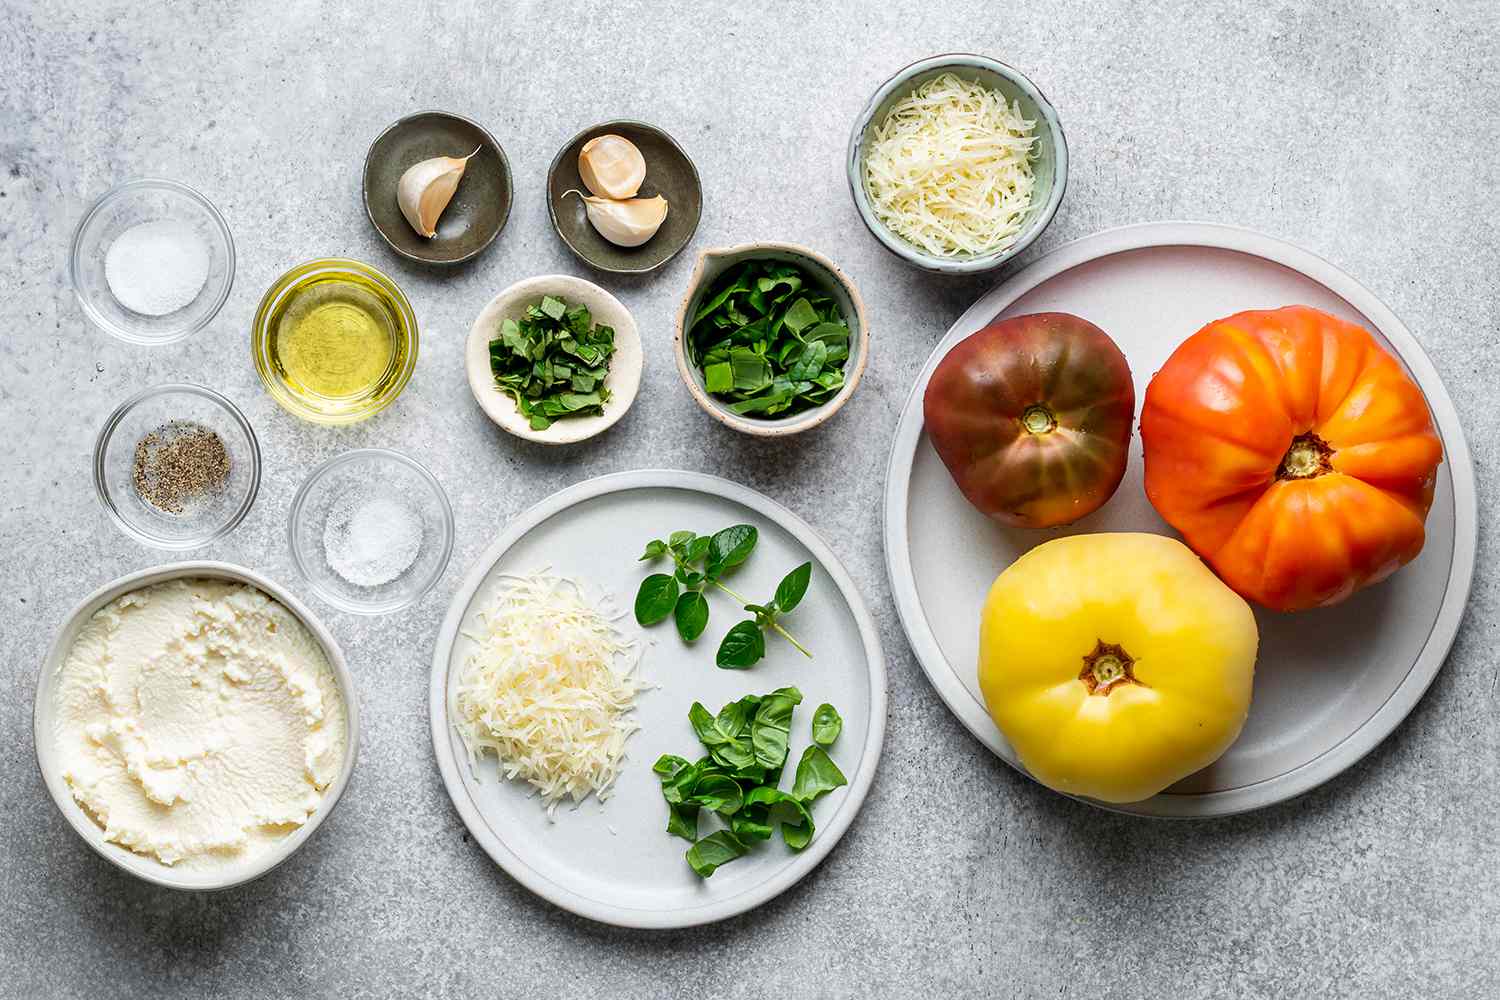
(371, 531)
(152, 262)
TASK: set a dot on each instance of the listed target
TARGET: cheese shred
(949, 170)
(549, 689)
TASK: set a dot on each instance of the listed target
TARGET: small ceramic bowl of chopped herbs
(554, 359)
(771, 338)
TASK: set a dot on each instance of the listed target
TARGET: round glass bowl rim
(912, 254)
(323, 470)
(295, 278)
(107, 433)
(119, 191)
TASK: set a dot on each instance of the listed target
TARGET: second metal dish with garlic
(612, 168)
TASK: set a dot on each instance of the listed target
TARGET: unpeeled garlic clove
(611, 167)
(625, 223)
(427, 187)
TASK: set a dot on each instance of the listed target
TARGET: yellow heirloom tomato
(1115, 664)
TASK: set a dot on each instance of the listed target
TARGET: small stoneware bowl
(479, 207)
(623, 380)
(827, 276)
(143, 867)
(1050, 166)
(669, 173)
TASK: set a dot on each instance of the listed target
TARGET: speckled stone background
(1364, 131)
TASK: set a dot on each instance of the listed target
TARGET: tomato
(1293, 454)
(1032, 416)
(1116, 664)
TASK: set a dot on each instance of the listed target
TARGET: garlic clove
(611, 167)
(427, 187)
(626, 223)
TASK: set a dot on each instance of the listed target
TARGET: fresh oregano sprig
(700, 561)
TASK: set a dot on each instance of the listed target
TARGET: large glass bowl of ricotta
(201, 707)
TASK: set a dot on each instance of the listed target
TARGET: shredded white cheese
(950, 169)
(549, 689)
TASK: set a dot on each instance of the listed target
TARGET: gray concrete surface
(1363, 131)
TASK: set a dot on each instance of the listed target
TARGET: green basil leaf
(741, 647)
(691, 613)
(718, 378)
(771, 728)
(679, 539)
(800, 316)
(682, 820)
(809, 362)
(718, 848)
(655, 549)
(816, 774)
(750, 824)
(698, 548)
(668, 765)
(717, 792)
(826, 725)
(791, 588)
(688, 577)
(775, 805)
(656, 598)
(553, 308)
(730, 547)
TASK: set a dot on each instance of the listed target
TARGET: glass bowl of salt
(371, 531)
(152, 262)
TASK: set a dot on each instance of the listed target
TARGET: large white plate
(614, 862)
(1330, 684)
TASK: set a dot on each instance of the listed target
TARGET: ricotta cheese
(198, 722)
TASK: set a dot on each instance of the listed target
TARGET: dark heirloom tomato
(1032, 416)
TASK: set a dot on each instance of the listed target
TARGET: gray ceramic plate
(1330, 683)
(669, 173)
(479, 207)
(614, 861)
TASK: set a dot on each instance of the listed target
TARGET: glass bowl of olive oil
(335, 341)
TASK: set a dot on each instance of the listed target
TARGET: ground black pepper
(178, 463)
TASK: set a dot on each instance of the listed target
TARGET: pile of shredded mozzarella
(950, 169)
(544, 691)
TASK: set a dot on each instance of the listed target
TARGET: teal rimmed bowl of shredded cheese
(957, 163)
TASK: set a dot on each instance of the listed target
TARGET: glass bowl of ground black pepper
(177, 466)
(371, 531)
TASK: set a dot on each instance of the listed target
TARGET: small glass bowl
(201, 521)
(132, 203)
(304, 403)
(369, 474)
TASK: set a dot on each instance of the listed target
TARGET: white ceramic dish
(614, 862)
(142, 867)
(1330, 684)
(623, 380)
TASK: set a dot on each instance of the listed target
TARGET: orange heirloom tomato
(1293, 454)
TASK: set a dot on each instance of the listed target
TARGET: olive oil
(340, 344)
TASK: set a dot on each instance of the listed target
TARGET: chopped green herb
(553, 362)
(826, 725)
(768, 341)
(747, 752)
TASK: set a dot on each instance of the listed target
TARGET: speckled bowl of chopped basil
(771, 338)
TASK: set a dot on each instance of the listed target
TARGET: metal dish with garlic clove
(669, 173)
(480, 206)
